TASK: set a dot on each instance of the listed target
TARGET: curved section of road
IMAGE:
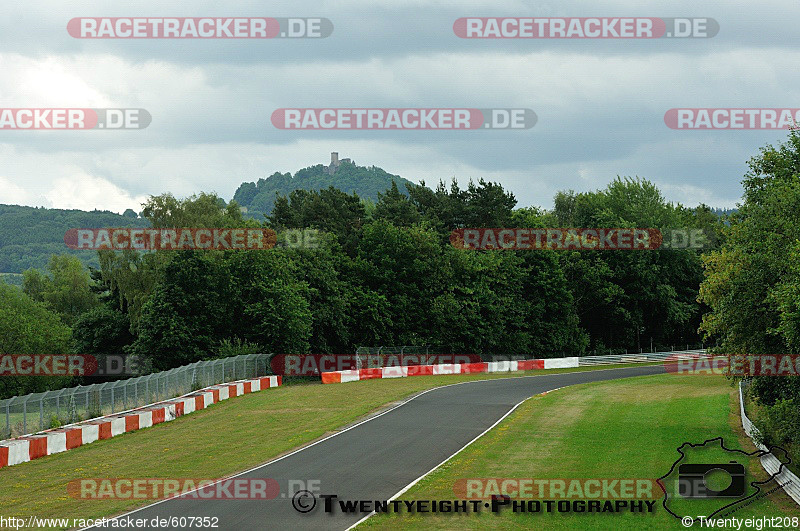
(378, 458)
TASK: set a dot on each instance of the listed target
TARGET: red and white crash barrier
(447, 368)
(23, 449)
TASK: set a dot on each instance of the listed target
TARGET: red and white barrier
(448, 368)
(560, 363)
(23, 449)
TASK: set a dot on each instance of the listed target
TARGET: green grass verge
(229, 437)
(614, 429)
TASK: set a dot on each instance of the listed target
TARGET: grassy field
(600, 430)
(261, 426)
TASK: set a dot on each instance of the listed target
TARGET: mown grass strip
(229, 437)
(617, 429)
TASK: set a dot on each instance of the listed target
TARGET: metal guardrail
(22, 415)
(641, 357)
(786, 478)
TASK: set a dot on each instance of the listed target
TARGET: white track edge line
(359, 424)
(487, 430)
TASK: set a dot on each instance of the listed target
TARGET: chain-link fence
(393, 350)
(39, 411)
(366, 355)
(641, 357)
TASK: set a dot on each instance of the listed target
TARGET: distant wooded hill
(30, 235)
(366, 182)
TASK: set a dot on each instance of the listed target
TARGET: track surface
(376, 459)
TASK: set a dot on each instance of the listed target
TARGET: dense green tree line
(384, 274)
(391, 277)
(29, 327)
(752, 283)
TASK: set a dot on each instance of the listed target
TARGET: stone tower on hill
(335, 163)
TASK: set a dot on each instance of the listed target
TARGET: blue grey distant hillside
(30, 235)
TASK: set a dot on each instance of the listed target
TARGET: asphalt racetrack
(378, 458)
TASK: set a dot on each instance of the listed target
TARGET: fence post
(112, 398)
(41, 413)
(25, 415)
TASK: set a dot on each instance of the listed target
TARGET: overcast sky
(600, 103)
